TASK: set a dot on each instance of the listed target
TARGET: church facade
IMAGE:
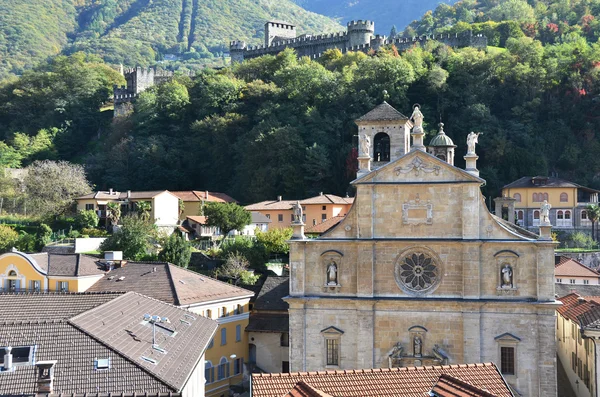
(420, 272)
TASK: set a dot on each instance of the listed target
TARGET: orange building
(315, 209)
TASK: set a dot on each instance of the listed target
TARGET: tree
(236, 268)
(176, 250)
(393, 32)
(43, 236)
(53, 186)
(134, 238)
(8, 238)
(593, 214)
(87, 219)
(143, 209)
(275, 240)
(113, 213)
(226, 216)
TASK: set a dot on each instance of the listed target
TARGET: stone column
(471, 167)
(417, 135)
(364, 166)
(365, 345)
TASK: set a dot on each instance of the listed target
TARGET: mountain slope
(140, 32)
(385, 13)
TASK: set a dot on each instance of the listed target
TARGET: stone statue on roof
(417, 117)
(364, 146)
(472, 139)
(545, 213)
(297, 208)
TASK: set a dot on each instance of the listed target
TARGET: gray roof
(544, 181)
(70, 265)
(257, 217)
(583, 290)
(383, 112)
(83, 327)
(271, 294)
(268, 322)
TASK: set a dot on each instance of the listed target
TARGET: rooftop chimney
(8, 359)
(110, 191)
(45, 381)
(320, 193)
(129, 194)
(206, 195)
(278, 198)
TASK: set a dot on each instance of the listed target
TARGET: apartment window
(324, 208)
(323, 217)
(209, 372)
(62, 286)
(573, 362)
(292, 217)
(209, 313)
(586, 282)
(223, 336)
(238, 366)
(89, 207)
(517, 197)
(559, 280)
(564, 197)
(535, 198)
(280, 218)
(268, 216)
(572, 281)
(238, 333)
(584, 215)
(579, 369)
(224, 311)
(507, 360)
(333, 350)
(284, 340)
(35, 285)
(12, 285)
(223, 371)
(240, 309)
(545, 196)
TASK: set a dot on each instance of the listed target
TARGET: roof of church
(441, 139)
(571, 267)
(324, 226)
(383, 112)
(401, 382)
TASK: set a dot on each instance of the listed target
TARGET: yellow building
(194, 200)
(316, 209)
(227, 355)
(20, 272)
(569, 201)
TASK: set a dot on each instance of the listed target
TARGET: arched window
(209, 372)
(517, 196)
(223, 368)
(12, 273)
(559, 215)
(567, 214)
(584, 215)
(535, 197)
(545, 196)
(564, 197)
(381, 147)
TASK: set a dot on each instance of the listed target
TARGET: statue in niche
(472, 139)
(417, 118)
(365, 145)
(297, 208)
(507, 276)
(545, 212)
(417, 346)
(332, 271)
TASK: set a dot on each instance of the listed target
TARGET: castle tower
(275, 30)
(388, 133)
(442, 147)
(236, 51)
(360, 32)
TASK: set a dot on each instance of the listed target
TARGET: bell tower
(442, 146)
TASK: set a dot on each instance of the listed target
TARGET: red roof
(574, 305)
(401, 382)
(324, 226)
(449, 386)
(570, 267)
(304, 390)
(197, 195)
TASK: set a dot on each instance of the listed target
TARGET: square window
(280, 218)
(323, 217)
(102, 364)
(324, 208)
(507, 360)
(89, 207)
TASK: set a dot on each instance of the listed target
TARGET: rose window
(417, 272)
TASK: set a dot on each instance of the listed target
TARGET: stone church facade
(420, 272)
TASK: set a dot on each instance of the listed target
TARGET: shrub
(134, 238)
(253, 252)
(74, 234)
(582, 240)
(8, 238)
(94, 232)
(176, 251)
(275, 241)
(27, 242)
(44, 236)
(86, 219)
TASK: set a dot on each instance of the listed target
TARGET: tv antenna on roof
(154, 319)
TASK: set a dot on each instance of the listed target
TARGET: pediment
(507, 337)
(332, 331)
(417, 167)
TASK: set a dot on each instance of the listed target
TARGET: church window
(417, 272)
(517, 197)
(332, 337)
(332, 351)
(564, 197)
(381, 147)
(507, 360)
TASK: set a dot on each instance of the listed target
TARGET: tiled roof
(324, 226)
(305, 390)
(573, 306)
(257, 217)
(573, 268)
(584, 290)
(324, 199)
(168, 283)
(268, 322)
(271, 294)
(383, 112)
(118, 324)
(75, 329)
(105, 195)
(271, 205)
(559, 259)
(197, 195)
(73, 265)
(544, 182)
(449, 386)
(201, 219)
(401, 382)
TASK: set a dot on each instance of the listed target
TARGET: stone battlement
(359, 36)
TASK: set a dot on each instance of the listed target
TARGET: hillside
(139, 32)
(385, 13)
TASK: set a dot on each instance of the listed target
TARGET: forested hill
(385, 13)
(139, 32)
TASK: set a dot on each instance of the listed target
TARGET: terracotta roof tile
(449, 386)
(201, 219)
(303, 389)
(402, 382)
(383, 112)
(271, 205)
(324, 226)
(574, 306)
(324, 199)
(573, 268)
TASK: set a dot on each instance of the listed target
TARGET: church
(420, 273)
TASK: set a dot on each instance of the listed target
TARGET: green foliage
(226, 216)
(87, 219)
(236, 268)
(113, 212)
(176, 250)
(134, 238)
(275, 241)
(582, 240)
(253, 252)
(43, 236)
(27, 242)
(94, 232)
(143, 209)
(8, 238)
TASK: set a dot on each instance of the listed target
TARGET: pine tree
(393, 32)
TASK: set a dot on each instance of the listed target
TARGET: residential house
(466, 380)
(269, 326)
(100, 344)
(258, 222)
(164, 205)
(324, 227)
(195, 227)
(578, 342)
(194, 200)
(226, 304)
(569, 271)
(568, 199)
(315, 209)
(48, 272)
